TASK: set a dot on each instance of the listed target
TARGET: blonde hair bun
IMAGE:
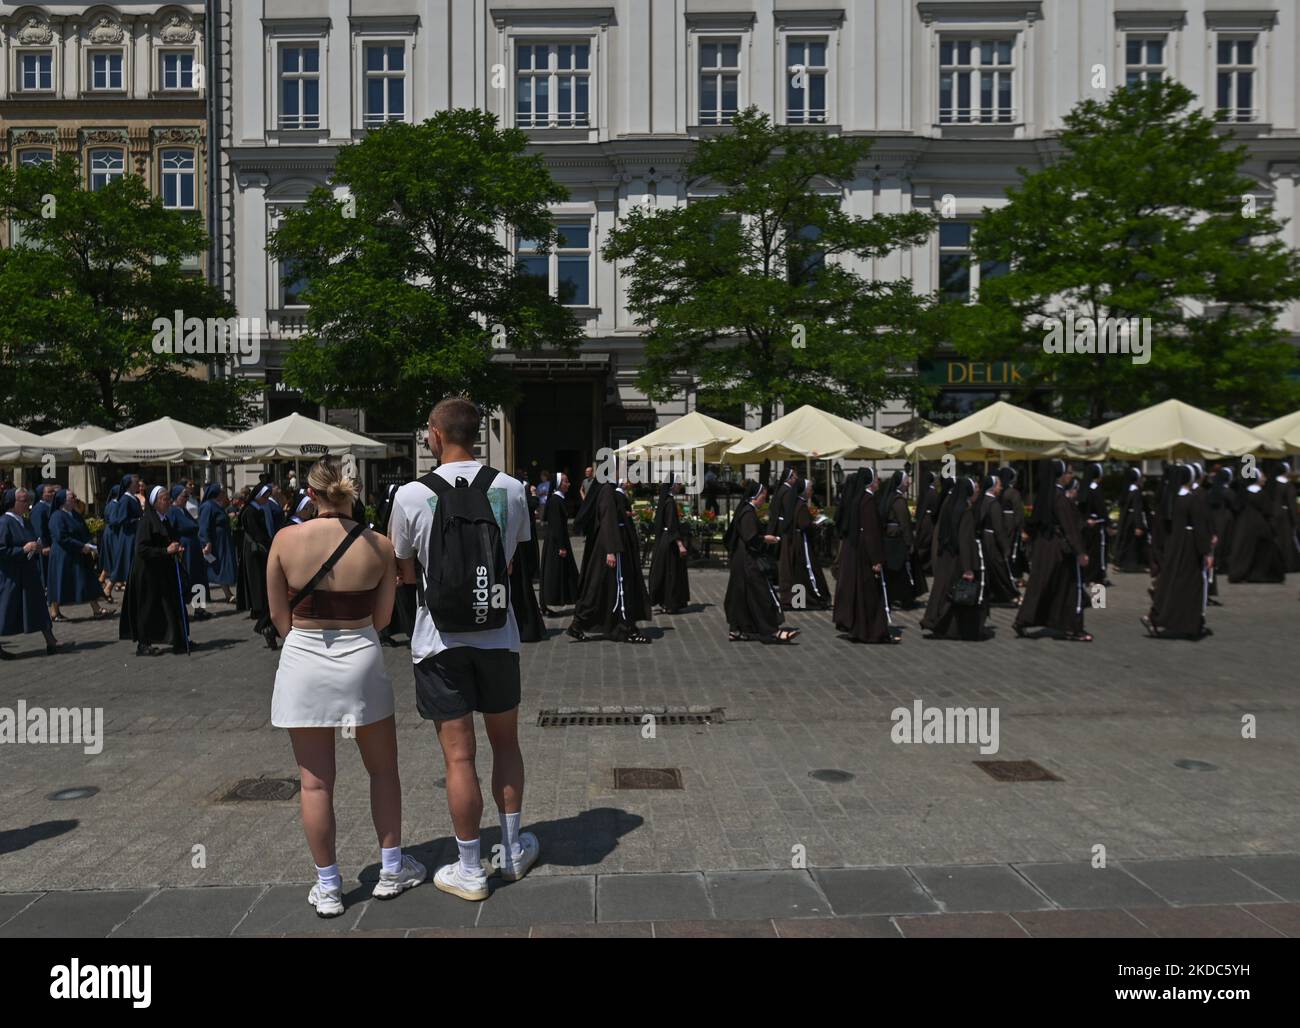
(327, 479)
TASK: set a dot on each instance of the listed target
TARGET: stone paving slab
(81, 915)
(1085, 887)
(1181, 882)
(958, 889)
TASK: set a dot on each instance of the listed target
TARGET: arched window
(106, 165)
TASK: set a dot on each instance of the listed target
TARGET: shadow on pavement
(15, 839)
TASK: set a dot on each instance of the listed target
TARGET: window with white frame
(806, 73)
(36, 71)
(178, 70)
(293, 284)
(385, 83)
(34, 156)
(959, 273)
(300, 86)
(1236, 77)
(806, 258)
(1144, 58)
(552, 85)
(719, 80)
(566, 268)
(178, 179)
(976, 81)
(106, 165)
(106, 70)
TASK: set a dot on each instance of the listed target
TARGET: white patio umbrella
(1174, 429)
(812, 434)
(693, 431)
(164, 441)
(20, 447)
(295, 438)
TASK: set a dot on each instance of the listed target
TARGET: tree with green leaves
(85, 277)
(753, 288)
(411, 283)
(1145, 213)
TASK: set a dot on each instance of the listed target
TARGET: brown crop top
(334, 605)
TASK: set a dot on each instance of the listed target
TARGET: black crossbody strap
(328, 566)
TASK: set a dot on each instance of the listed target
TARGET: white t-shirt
(409, 528)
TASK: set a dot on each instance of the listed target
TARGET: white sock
(469, 858)
(329, 877)
(391, 859)
(510, 833)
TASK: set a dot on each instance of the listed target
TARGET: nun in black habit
(153, 606)
(1283, 493)
(751, 605)
(1133, 538)
(993, 538)
(405, 599)
(669, 588)
(927, 508)
(957, 562)
(259, 521)
(804, 571)
(559, 571)
(1013, 524)
(22, 593)
(523, 600)
(1255, 556)
(861, 602)
(901, 579)
(612, 596)
(1220, 509)
(1178, 606)
(1055, 596)
(1096, 523)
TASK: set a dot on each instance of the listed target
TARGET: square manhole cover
(647, 778)
(262, 789)
(1016, 771)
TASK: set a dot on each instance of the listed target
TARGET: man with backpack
(462, 523)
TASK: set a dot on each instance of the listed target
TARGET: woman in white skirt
(330, 585)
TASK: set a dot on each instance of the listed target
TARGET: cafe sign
(974, 374)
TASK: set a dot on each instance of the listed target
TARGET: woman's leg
(378, 746)
(313, 748)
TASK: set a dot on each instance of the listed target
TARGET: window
(106, 71)
(105, 167)
(293, 284)
(805, 102)
(385, 80)
(177, 179)
(975, 81)
(1236, 78)
(566, 271)
(719, 81)
(959, 275)
(37, 71)
(35, 156)
(1144, 59)
(553, 85)
(178, 71)
(300, 87)
(805, 258)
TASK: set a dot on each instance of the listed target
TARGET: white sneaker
(328, 902)
(529, 850)
(409, 875)
(468, 887)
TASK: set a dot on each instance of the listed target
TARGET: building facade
(956, 94)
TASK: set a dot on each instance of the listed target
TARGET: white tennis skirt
(331, 678)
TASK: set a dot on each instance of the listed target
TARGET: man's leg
(465, 878)
(507, 760)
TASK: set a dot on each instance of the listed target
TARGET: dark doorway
(553, 428)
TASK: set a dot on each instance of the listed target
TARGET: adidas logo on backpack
(466, 585)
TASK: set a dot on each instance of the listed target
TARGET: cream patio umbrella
(78, 434)
(1174, 429)
(812, 434)
(21, 447)
(1006, 432)
(693, 431)
(163, 441)
(295, 438)
(1283, 433)
(81, 478)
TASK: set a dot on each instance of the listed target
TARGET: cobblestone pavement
(1109, 719)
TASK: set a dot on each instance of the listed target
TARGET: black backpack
(466, 587)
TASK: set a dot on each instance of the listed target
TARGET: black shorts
(462, 679)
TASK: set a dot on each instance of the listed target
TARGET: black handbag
(965, 593)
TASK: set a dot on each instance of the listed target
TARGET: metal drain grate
(625, 717)
(647, 778)
(1016, 771)
(262, 789)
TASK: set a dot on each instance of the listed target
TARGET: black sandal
(636, 637)
(738, 637)
(1078, 637)
(1019, 629)
(576, 633)
(785, 636)
(1149, 626)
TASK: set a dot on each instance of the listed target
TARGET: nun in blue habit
(110, 538)
(40, 521)
(72, 577)
(123, 521)
(215, 538)
(22, 594)
(185, 529)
